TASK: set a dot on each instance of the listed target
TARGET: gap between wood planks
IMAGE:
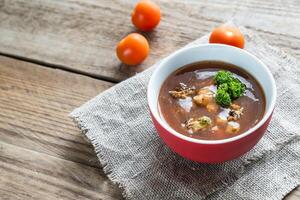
(61, 67)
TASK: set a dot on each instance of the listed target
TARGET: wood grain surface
(42, 154)
(82, 35)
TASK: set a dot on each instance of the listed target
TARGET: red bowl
(211, 151)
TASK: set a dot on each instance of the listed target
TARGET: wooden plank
(42, 154)
(35, 103)
(27, 174)
(82, 35)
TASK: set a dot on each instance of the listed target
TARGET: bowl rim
(266, 115)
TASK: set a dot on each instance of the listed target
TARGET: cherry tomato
(146, 15)
(133, 49)
(228, 35)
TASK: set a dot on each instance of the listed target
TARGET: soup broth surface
(178, 112)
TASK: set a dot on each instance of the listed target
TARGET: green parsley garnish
(222, 77)
(228, 88)
(223, 98)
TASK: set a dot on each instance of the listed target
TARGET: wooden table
(57, 54)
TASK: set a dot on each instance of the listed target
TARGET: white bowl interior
(216, 52)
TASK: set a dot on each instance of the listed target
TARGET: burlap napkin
(118, 124)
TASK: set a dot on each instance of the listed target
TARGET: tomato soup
(211, 100)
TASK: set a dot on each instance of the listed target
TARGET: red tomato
(146, 15)
(133, 49)
(228, 35)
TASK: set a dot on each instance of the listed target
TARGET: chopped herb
(228, 88)
(223, 86)
(223, 98)
(222, 77)
(236, 88)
